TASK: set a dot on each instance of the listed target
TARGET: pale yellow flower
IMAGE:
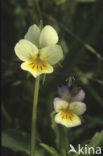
(69, 108)
(39, 50)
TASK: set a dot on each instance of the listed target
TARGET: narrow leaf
(85, 1)
(50, 149)
(97, 139)
(16, 141)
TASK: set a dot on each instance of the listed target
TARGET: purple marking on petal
(63, 91)
(79, 96)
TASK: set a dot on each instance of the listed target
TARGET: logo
(85, 149)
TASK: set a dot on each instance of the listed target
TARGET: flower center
(66, 114)
(37, 64)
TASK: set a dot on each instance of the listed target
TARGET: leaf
(55, 129)
(85, 77)
(59, 2)
(50, 149)
(97, 139)
(85, 1)
(65, 47)
(92, 50)
(39, 152)
(15, 140)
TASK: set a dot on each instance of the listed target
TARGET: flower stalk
(34, 116)
(63, 142)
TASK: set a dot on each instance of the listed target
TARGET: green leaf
(16, 141)
(97, 139)
(59, 2)
(85, 1)
(64, 46)
(85, 77)
(55, 128)
(50, 149)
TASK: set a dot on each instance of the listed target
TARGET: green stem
(34, 116)
(5, 113)
(64, 144)
(38, 9)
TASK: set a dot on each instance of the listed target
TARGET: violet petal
(63, 91)
(79, 96)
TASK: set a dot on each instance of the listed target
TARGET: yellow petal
(59, 104)
(68, 120)
(25, 50)
(48, 36)
(33, 34)
(52, 53)
(37, 68)
(77, 107)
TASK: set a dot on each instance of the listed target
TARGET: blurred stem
(5, 113)
(64, 144)
(34, 117)
(38, 9)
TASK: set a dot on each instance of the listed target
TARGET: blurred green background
(79, 24)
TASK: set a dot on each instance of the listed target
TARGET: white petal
(78, 107)
(53, 53)
(24, 66)
(74, 121)
(33, 34)
(25, 50)
(79, 96)
(59, 104)
(48, 36)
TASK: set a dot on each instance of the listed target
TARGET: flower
(69, 107)
(39, 50)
